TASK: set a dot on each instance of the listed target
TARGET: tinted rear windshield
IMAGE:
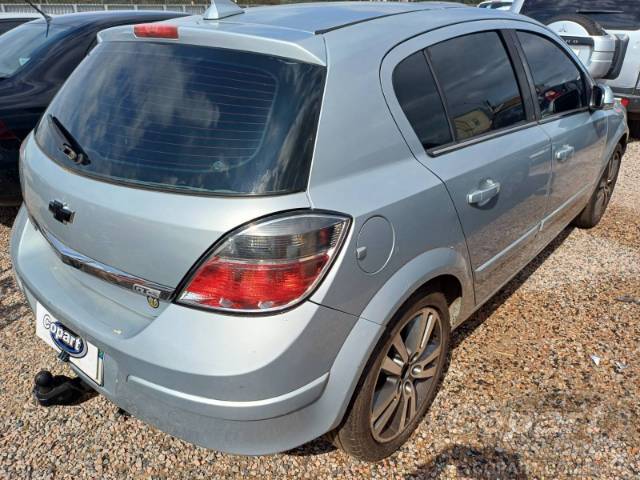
(19, 45)
(187, 118)
(612, 14)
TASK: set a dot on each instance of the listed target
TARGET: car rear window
(611, 14)
(188, 118)
(19, 45)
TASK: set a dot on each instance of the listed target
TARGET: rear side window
(559, 84)
(611, 14)
(418, 96)
(479, 84)
(188, 118)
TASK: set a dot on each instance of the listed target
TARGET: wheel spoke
(426, 335)
(401, 348)
(408, 405)
(383, 400)
(423, 373)
(429, 358)
(391, 367)
(609, 171)
(614, 165)
(382, 420)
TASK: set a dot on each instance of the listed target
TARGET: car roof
(302, 31)
(107, 18)
(323, 17)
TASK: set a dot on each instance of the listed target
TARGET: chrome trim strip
(109, 274)
(550, 217)
(507, 252)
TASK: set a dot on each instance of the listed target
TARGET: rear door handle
(488, 189)
(564, 153)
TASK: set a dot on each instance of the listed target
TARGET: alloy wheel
(607, 184)
(407, 375)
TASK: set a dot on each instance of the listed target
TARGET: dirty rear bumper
(244, 385)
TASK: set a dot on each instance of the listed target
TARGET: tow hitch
(52, 390)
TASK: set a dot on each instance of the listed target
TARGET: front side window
(188, 118)
(418, 96)
(19, 45)
(559, 84)
(479, 84)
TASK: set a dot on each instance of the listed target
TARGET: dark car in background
(35, 60)
(9, 21)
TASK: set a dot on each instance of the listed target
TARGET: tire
(591, 26)
(593, 212)
(364, 434)
(634, 128)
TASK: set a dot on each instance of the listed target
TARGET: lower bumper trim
(234, 410)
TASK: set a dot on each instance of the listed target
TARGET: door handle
(564, 153)
(488, 189)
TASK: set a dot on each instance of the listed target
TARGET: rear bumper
(248, 385)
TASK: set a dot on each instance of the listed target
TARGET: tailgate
(157, 236)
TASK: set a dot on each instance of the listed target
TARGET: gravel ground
(522, 398)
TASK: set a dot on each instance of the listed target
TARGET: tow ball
(52, 390)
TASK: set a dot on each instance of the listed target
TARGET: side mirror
(602, 97)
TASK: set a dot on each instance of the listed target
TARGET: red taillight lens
(267, 266)
(155, 30)
(624, 102)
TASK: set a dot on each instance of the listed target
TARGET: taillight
(624, 102)
(269, 265)
(155, 30)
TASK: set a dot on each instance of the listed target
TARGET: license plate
(83, 354)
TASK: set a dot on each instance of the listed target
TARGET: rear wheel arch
(443, 269)
(449, 286)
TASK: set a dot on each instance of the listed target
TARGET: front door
(578, 136)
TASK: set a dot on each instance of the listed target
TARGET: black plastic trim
(622, 43)
(436, 152)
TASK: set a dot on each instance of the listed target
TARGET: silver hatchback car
(252, 228)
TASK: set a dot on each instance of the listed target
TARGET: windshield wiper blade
(598, 11)
(70, 147)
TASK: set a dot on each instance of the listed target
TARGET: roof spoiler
(221, 9)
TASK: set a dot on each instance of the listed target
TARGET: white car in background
(605, 35)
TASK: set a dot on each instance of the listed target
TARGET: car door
(494, 159)
(577, 134)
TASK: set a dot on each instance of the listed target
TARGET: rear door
(493, 158)
(578, 135)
